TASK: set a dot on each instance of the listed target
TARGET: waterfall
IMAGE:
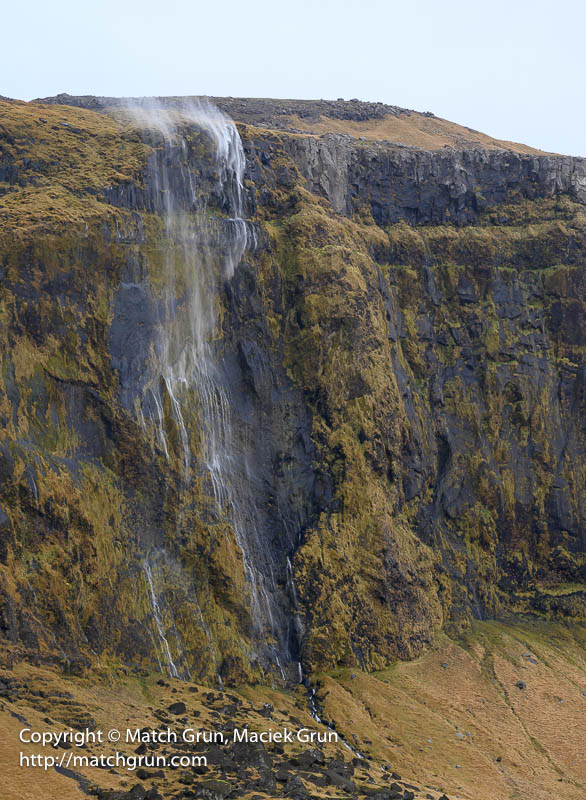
(200, 252)
(187, 381)
(291, 583)
(173, 672)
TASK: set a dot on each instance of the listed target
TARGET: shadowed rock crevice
(400, 348)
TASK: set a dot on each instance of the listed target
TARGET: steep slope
(402, 344)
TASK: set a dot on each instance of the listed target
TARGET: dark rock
(340, 781)
(214, 789)
(253, 754)
(307, 759)
(296, 790)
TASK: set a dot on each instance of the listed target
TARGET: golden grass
(428, 133)
(490, 740)
(66, 156)
(127, 702)
(465, 728)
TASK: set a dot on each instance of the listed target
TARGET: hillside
(289, 401)
(361, 120)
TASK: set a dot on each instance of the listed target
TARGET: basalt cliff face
(391, 332)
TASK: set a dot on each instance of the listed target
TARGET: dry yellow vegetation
(419, 130)
(456, 720)
(61, 158)
(453, 721)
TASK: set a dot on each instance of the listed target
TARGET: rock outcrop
(404, 340)
(429, 188)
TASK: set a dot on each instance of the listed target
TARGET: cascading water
(163, 641)
(187, 379)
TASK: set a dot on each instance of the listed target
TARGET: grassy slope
(456, 720)
(464, 728)
(536, 736)
(64, 156)
(418, 130)
(371, 121)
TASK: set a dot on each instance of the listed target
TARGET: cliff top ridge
(371, 121)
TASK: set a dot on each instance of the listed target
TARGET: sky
(515, 70)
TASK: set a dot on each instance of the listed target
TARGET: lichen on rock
(404, 345)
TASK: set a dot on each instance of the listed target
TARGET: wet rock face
(480, 445)
(131, 336)
(456, 351)
(401, 347)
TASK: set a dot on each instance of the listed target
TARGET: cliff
(400, 351)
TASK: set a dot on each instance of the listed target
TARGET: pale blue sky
(514, 69)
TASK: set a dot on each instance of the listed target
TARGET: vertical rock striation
(304, 398)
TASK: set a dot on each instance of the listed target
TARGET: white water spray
(200, 251)
(173, 672)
